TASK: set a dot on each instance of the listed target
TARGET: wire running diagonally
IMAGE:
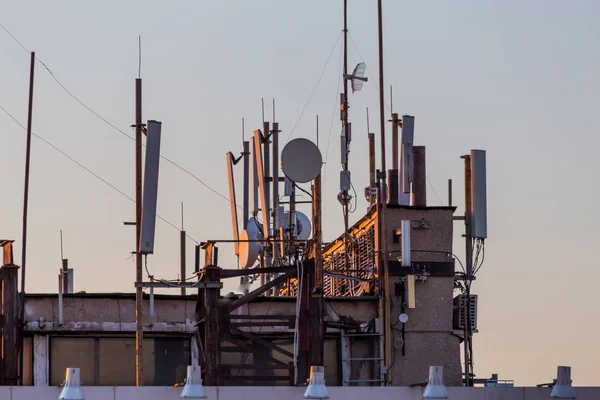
(314, 88)
(373, 80)
(86, 168)
(335, 106)
(111, 124)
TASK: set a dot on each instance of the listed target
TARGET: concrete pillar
(41, 360)
(420, 177)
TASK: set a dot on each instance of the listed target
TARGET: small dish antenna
(249, 251)
(301, 160)
(357, 77)
(303, 225)
(403, 318)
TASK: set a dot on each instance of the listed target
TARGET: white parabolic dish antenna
(249, 251)
(301, 160)
(303, 226)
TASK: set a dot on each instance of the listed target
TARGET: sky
(518, 79)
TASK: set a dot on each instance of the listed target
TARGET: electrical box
(343, 149)
(345, 180)
(458, 320)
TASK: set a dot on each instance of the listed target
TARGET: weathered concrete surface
(429, 339)
(105, 308)
(290, 393)
(98, 313)
(431, 230)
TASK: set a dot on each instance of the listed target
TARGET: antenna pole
(345, 200)
(182, 252)
(27, 164)
(25, 206)
(383, 266)
(275, 191)
(469, 277)
(139, 333)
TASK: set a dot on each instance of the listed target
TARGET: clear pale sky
(519, 79)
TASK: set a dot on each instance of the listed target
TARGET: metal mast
(139, 333)
(346, 137)
(381, 208)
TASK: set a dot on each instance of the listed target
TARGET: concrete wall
(432, 229)
(290, 393)
(429, 338)
(114, 314)
(108, 313)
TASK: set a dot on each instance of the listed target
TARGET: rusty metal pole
(182, 260)
(21, 308)
(469, 267)
(382, 209)
(395, 147)
(139, 333)
(346, 134)
(317, 327)
(27, 163)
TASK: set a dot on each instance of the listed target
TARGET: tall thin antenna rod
(139, 56)
(383, 271)
(182, 253)
(274, 111)
(346, 145)
(27, 163)
(61, 246)
(381, 93)
(139, 333)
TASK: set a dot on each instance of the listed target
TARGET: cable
(315, 87)
(355, 199)
(112, 125)
(482, 257)
(335, 105)
(303, 190)
(435, 192)
(333, 309)
(373, 80)
(434, 251)
(87, 169)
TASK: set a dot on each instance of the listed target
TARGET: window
(110, 361)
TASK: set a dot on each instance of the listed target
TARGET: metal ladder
(347, 361)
